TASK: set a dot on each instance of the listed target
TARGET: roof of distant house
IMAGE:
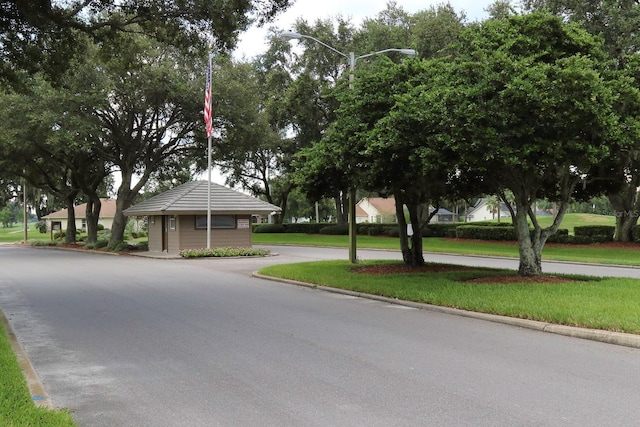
(382, 205)
(107, 210)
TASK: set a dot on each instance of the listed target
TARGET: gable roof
(483, 203)
(191, 198)
(381, 204)
(107, 210)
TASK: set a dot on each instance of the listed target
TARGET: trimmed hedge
(440, 230)
(268, 228)
(336, 230)
(484, 232)
(500, 232)
(478, 231)
(597, 233)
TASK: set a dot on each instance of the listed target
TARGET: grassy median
(601, 303)
(16, 405)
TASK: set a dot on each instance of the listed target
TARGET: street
(131, 341)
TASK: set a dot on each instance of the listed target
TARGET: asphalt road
(129, 341)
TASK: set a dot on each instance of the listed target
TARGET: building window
(84, 224)
(172, 222)
(217, 221)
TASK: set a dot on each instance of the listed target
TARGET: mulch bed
(435, 268)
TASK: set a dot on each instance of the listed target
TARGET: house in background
(376, 209)
(383, 210)
(58, 220)
(482, 212)
(443, 215)
(177, 218)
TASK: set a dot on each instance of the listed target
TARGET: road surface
(130, 341)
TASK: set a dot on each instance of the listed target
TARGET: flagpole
(209, 158)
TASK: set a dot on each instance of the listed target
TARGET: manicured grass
(16, 406)
(574, 219)
(15, 234)
(590, 254)
(608, 304)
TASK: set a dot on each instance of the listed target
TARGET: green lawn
(608, 304)
(16, 234)
(16, 406)
(591, 254)
(576, 219)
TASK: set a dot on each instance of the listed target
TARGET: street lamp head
(411, 53)
(291, 35)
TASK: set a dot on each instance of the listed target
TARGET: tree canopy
(46, 34)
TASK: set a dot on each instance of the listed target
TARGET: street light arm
(298, 36)
(408, 52)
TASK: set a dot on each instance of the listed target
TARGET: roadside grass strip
(598, 254)
(17, 408)
(611, 304)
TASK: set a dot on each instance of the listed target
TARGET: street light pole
(351, 58)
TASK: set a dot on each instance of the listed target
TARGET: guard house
(178, 217)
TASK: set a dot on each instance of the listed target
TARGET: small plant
(42, 243)
(41, 226)
(224, 252)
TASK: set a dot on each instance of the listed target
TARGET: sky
(252, 42)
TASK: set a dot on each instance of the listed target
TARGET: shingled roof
(107, 210)
(191, 199)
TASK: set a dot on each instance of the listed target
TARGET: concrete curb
(36, 388)
(617, 338)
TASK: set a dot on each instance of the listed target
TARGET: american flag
(207, 102)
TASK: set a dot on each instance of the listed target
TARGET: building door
(165, 230)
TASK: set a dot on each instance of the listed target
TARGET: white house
(59, 219)
(376, 209)
(481, 211)
(383, 210)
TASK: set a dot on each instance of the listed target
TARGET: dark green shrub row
(509, 234)
(365, 229)
(596, 232)
(483, 232)
(440, 230)
(478, 231)
(269, 228)
(336, 230)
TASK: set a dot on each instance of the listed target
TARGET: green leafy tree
(153, 118)
(47, 34)
(529, 110)
(616, 22)
(43, 143)
(6, 217)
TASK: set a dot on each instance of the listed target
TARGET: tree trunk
(530, 249)
(411, 246)
(70, 233)
(417, 258)
(625, 204)
(93, 214)
(624, 227)
(119, 221)
(126, 195)
(342, 208)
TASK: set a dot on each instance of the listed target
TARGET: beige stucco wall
(193, 238)
(187, 236)
(155, 233)
(106, 222)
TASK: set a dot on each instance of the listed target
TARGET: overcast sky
(252, 42)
